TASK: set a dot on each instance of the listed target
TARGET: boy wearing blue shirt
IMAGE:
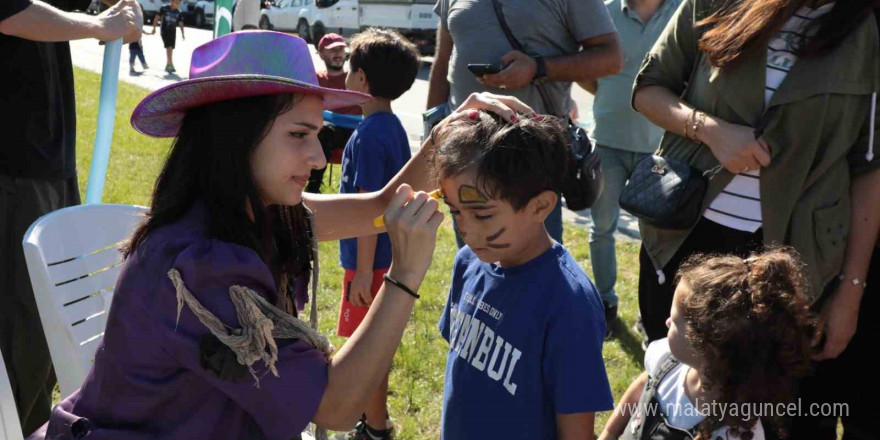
(525, 325)
(384, 64)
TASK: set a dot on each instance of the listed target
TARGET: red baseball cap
(330, 41)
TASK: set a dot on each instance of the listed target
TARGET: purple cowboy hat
(238, 65)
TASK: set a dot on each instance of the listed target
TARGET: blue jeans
(553, 223)
(136, 53)
(617, 165)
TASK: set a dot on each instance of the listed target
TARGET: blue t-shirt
(375, 152)
(525, 343)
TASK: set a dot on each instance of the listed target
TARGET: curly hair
(749, 321)
(513, 161)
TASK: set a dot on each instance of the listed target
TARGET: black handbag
(666, 193)
(582, 183)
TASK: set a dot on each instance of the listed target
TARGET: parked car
(311, 19)
(150, 8)
(186, 8)
(203, 13)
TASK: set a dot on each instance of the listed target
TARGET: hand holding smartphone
(483, 69)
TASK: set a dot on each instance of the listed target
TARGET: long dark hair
(210, 161)
(743, 25)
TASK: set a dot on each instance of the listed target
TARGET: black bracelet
(401, 286)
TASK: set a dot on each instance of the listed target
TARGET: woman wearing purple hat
(200, 341)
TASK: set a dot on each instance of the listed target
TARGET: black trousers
(22, 201)
(851, 378)
(655, 299)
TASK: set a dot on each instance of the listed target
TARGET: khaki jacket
(818, 128)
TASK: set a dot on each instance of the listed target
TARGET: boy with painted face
(524, 323)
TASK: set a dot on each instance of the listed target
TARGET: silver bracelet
(855, 281)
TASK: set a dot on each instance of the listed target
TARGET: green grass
(417, 374)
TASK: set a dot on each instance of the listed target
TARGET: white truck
(311, 19)
(413, 18)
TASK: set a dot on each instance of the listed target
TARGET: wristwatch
(541, 71)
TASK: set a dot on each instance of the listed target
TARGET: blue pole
(106, 120)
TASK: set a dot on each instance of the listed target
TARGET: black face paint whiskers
(494, 237)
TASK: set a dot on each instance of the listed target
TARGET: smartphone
(483, 69)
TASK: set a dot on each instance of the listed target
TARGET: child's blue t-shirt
(375, 152)
(525, 343)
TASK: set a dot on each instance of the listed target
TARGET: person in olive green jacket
(808, 71)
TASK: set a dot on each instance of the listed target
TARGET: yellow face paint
(469, 194)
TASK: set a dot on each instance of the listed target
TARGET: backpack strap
(664, 365)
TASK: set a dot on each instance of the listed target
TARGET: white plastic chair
(10, 428)
(73, 260)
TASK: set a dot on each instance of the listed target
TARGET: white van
(311, 19)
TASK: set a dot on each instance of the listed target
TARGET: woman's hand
(363, 361)
(735, 146)
(837, 322)
(412, 220)
(508, 107)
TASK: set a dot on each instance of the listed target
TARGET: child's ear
(361, 80)
(542, 205)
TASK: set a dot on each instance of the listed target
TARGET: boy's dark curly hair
(514, 162)
(749, 321)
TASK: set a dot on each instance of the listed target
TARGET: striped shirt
(739, 204)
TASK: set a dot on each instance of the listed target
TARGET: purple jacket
(147, 381)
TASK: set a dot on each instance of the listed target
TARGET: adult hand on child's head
(838, 321)
(359, 293)
(412, 219)
(508, 107)
(122, 20)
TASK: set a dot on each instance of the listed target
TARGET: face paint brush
(380, 220)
